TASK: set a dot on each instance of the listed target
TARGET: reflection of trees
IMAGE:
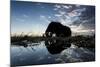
(26, 45)
(56, 46)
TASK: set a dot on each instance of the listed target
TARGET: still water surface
(46, 53)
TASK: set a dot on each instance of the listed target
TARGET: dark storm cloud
(88, 13)
(87, 18)
(89, 24)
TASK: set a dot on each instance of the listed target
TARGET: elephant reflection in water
(56, 46)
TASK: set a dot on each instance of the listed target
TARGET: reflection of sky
(39, 54)
(35, 17)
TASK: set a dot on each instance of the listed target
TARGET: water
(49, 52)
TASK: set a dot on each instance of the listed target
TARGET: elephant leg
(50, 34)
(47, 35)
(57, 35)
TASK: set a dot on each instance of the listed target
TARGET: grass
(80, 41)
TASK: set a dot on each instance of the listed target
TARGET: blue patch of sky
(25, 16)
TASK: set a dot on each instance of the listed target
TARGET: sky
(34, 17)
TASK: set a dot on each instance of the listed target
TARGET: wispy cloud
(66, 7)
(26, 16)
(58, 6)
(20, 20)
(44, 18)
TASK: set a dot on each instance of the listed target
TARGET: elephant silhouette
(56, 46)
(58, 30)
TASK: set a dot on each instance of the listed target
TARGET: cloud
(72, 14)
(79, 18)
(57, 6)
(89, 23)
(67, 14)
(26, 16)
(63, 7)
(88, 13)
(20, 20)
(49, 17)
(77, 5)
(85, 24)
(44, 18)
(66, 7)
(62, 12)
(55, 9)
(86, 27)
(76, 12)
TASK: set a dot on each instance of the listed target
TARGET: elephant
(58, 30)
